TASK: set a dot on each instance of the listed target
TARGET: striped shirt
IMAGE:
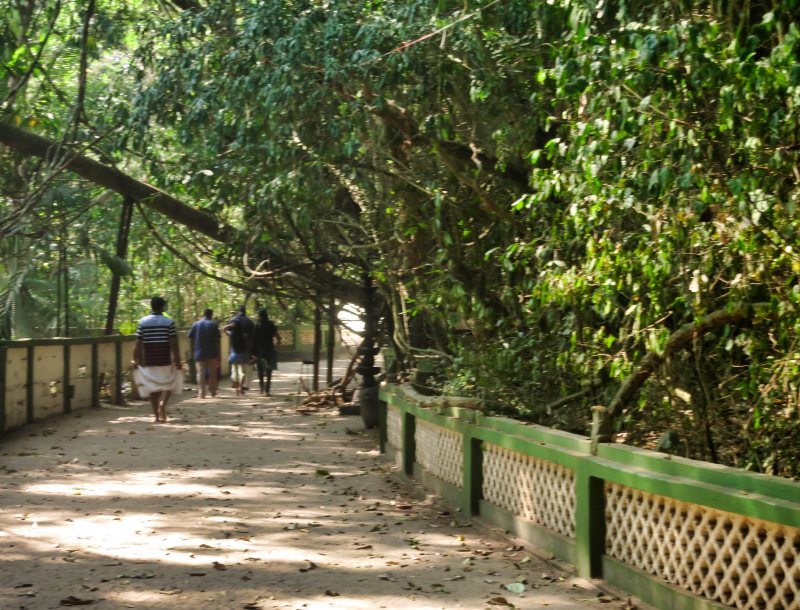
(155, 332)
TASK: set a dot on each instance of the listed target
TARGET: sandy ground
(243, 503)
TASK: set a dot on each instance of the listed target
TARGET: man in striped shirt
(157, 359)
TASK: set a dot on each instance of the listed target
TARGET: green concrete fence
(679, 534)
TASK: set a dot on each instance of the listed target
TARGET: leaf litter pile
(243, 503)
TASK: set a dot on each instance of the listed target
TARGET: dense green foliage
(543, 191)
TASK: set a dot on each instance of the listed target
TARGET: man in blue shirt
(205, 338)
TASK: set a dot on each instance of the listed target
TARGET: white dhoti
(151, 379)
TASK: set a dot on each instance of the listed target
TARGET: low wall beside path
(40, 378)
(678, 533)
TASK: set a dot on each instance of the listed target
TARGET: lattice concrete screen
(741, 562)
(439, 452)
(534, 489)
(394, 429)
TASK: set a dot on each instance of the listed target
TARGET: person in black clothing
(265, 342)
(240, 331)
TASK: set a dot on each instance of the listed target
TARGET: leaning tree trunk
(199, 220)
(605, 417)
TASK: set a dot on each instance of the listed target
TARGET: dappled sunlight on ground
(237, 503)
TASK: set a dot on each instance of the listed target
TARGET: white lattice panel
(439, 452)
(534, 489)
(741, 562)
(394, 428)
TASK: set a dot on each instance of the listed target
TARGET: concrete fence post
(66, 387)
(95, 375)
(382, 432)
(117, 389)
(590, 530)
(409, 443)
(473, 474)
(3, 360)
(30, 351)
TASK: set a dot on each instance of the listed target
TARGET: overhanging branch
(34, 145)
(680, 339)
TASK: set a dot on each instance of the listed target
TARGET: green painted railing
(680, 534)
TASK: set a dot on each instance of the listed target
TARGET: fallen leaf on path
(500, 601)
(311, 566)
(75, 601)
(330, 593)
(515, 587)
(219, 566)
(140, 575)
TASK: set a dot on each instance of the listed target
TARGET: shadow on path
(240, 503)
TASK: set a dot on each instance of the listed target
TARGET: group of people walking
(157, 361)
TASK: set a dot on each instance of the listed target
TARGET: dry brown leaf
(75, 601)
(499, 601)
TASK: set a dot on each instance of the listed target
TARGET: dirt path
(241, 503)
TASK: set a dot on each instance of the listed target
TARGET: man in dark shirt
(157, 359)
(240, 331)
(265, 338)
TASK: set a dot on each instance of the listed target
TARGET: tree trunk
(680, 339)
(201, 221)
(121, 252)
